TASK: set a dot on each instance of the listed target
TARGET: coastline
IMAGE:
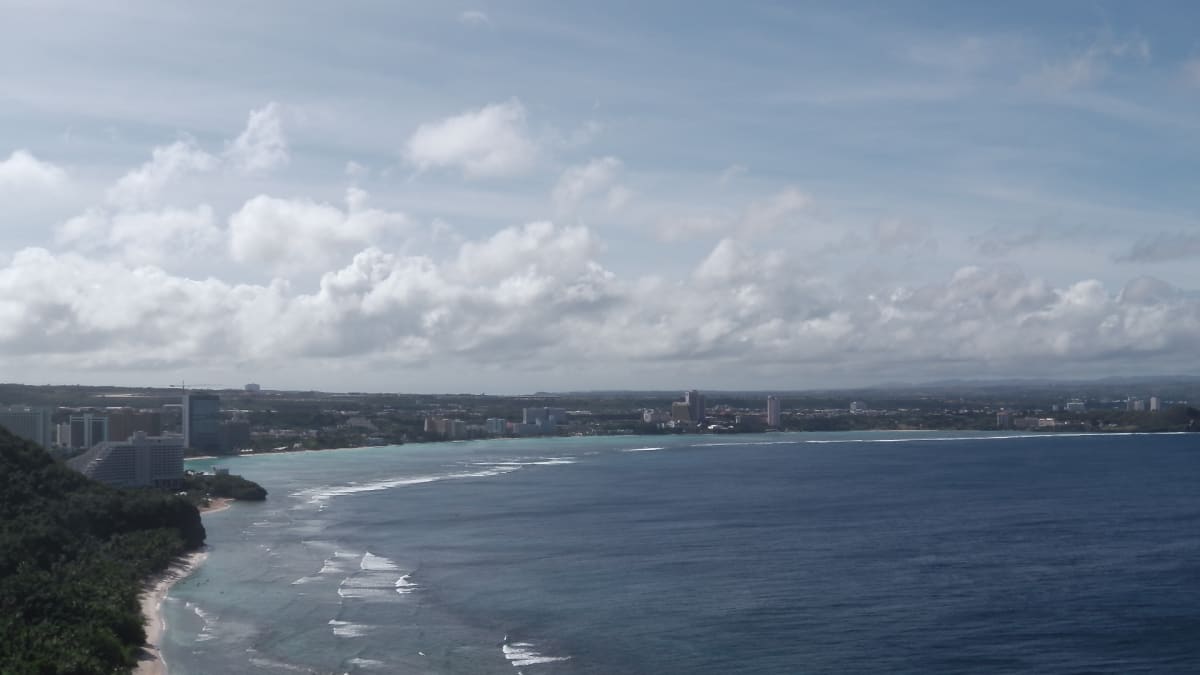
(217, 504)
(150, 661)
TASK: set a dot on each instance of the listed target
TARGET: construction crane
(183, 385)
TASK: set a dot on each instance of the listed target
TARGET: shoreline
(217, 504)
(150, 660)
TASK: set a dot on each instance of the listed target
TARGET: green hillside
(74, 555)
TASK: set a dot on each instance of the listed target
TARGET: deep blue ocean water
(780, 553)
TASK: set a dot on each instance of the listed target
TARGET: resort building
(141, 461)
(773, 411)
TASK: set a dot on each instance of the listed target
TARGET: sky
(526, 196)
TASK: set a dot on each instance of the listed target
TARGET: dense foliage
(224, 485)
(74, 555)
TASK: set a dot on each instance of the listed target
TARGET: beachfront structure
(201, 422)
(695, 404)
(680, 412)
(32, 424)
(773, 411)
(544, 416)
(141, 461)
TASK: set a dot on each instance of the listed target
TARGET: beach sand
(150, 662)
(217, 504)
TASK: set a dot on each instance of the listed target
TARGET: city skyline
(541, 197)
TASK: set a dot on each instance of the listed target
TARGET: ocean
(920, 552)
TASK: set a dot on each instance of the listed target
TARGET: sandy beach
(217, 504)
(151, 662)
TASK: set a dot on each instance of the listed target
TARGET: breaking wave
(522, 654)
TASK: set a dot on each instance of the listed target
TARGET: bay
(781, 553)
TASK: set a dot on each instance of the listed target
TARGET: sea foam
(522, 654)
(347, 629)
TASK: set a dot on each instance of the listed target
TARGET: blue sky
(523, 196)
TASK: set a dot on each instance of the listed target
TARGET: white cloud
(488, 142)
(356, 171)
(775, 212)
(292, 235)
(473, 17)
(781, 210)
(577, 183)
(1089, 66)
(23, 171)
(262, 146)
(535, 294)
(143, 237)
(167, 163)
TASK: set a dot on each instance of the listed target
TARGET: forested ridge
(74, 555)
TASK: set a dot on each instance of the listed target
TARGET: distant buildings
(141, 461)
(857, 407)
(446, 427)
(496, 426)
(253, 388)
(695, 404)
(681, 412)
(87, 430)
(544, 417)
(1154, 405)
(125, 422)
(1076, 405)
(201, 422)
(32, 424)
(773, 411)
(1004, 420)
(233, 436)
(652, 416)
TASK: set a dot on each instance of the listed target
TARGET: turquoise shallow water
(781, 553)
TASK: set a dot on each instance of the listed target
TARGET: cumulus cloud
(489, 142)
(23, 171)
(295, 234)
(262, 145)
(77, 310)
(157, 237)
(537, 294)
(598, 176)
(167, 163)
(1163, 247)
